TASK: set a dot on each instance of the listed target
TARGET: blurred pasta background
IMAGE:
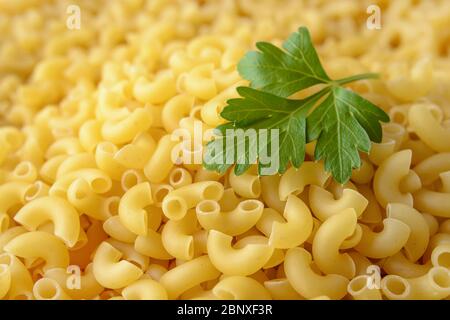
(87, 182)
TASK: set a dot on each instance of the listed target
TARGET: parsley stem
(356, 78)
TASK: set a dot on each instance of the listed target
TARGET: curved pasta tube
(410, 183)
(269, 192)
(359, 290)
(330, 236)
(49, 169)
(159, 192)
(293, 181)
(434, 285)
(226, 258)
(433, 223)
(161, 162)
(36, 190)
(9, 234)
(137, 153)
(361, 263)
(20, 283)
(49, 289)
(229, 200)
(386, 243)
(126, 128)
(203, 174)
(67, 146)
(433, 202)
(177, 236)
(277, 256)
(388, 177)
(281, 289)
(152, 245)
(323, 204)
(24, 171)
(296, 230)
(353, 239)
(309, 284)
(155, 271)
(82, 287)
(419, 149)
(12, 194)
(234, 222)
(99, 181)
(105, 160)
(130, 178)
(437, 240)
(85, 200)
(179, 177)
(176, 204)
(429, 169)
(95, 235)
(240, 288)
(64, 217)
(381, 151)
(175, 109)
(5, 280)
(156, 91)
(90, 134)
(428, 128)
(268, 217)
(440, 256)
(109, 271)
(131, 208)
(246, 185)
(372, 213)
(420, 233)
(116, 230)
(130, 254)
(364, 173)
(199, 82)
(188, 275)
(75, 162)
(145, 289)
(399, 265)
(39, 244)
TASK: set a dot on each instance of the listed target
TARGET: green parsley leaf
(339, 120)
(343, 124)
(284, 72)
(261, 110)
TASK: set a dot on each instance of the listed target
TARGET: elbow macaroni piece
(389, 241)
(387, 179)
(226, 258)
(132, 211)
(420, 233)
(240, 288)
(40, 244)
(177, 236)
(307, 282)
(235, 222)
(145, 289)
(293, 181)
(188, 275)
(110, 271)
(296, 229)
(177, 203)
(323, 204)
(435, 284)
(63, 216)
(327, 241)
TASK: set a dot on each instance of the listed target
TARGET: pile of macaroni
(93, 207)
